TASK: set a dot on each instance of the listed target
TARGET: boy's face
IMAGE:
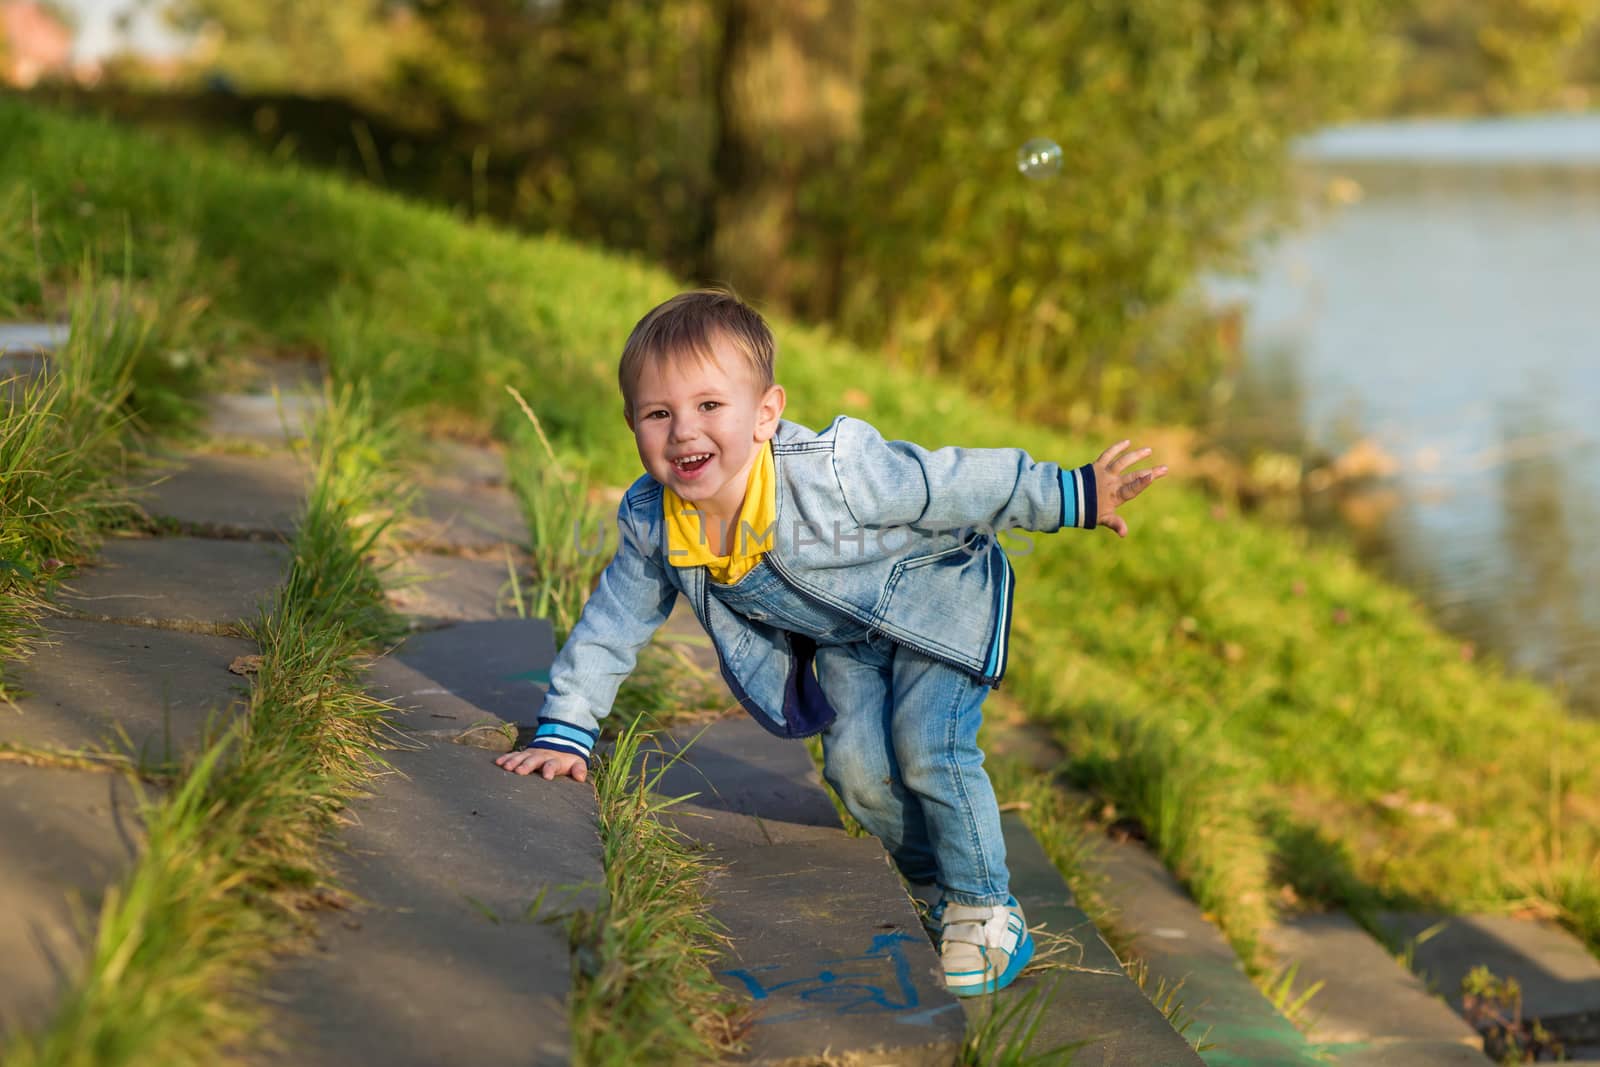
(699, 427)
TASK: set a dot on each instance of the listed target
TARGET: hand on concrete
(546, 763)
(1115, 485)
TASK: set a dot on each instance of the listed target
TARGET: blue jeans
(903, 754)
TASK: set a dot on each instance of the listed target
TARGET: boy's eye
(708, 405)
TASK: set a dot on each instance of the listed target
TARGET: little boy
(852, 587)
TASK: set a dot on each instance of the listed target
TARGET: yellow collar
(688, 544)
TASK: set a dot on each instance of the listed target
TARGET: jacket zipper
(797, 587)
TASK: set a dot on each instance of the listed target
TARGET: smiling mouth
(687, 464)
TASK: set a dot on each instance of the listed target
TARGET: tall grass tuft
(555, 500)
(64, 437)
(232, 852)
(648, 994)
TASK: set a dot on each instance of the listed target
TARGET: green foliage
(599, 121)
(1173, 117)
(64, 435)
(1496, 55)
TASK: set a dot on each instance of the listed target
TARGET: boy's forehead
(693, 371)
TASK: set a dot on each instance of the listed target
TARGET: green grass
(65, 437)
(1273, 714)
(233, 851)
(647, 994)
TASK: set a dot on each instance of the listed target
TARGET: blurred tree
(1494, 55)
(1067, 297)
(311, 47)
(855, 162)
(788, 104)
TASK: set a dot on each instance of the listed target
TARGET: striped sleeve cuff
(559, 736)
(1079, 504)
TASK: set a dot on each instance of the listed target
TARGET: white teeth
(681, 460)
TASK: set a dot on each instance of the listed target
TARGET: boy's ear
(627, 414)
(769, 411)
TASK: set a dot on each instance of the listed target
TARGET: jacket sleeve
(897, 483)
(631, 601)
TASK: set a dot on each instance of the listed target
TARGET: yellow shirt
(689, 543)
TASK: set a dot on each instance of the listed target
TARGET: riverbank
(1432, 309)
(1287, 728)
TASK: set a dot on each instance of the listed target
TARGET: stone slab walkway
(114, 687)
(177, 583)
(1370, 1010)
(442, 961)
(135, 664)
(64, 837)
(24, 338)
(1180, 944)
(825, 942)
(1560, 980)
(467, 673)
(231, 495)
(1084, 1000)
(434, 590)
(455, 516)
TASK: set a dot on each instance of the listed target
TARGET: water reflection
(1445, 320)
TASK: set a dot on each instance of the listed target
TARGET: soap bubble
(1039, 159)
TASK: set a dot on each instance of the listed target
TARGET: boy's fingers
(1116, 525)
(580, 773)
(1128, 460)
(1109, 454)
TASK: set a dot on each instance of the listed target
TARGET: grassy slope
(1273, 713)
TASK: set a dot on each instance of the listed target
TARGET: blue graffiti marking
(877, 981)
(542, 677)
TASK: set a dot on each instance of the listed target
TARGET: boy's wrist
(1080, 502)
(554, 735)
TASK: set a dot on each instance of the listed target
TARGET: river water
(1442, 305)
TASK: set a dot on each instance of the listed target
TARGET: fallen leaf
(245, 665)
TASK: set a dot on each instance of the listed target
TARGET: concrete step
(229, 494)
(267, 418)
(1180, 945)
(1369, 1010)
(470, 673)
(30, 338)
(465, 463)
(64, 837)
(1559, 979)
(442, 961)
(825, 943)
(274, 402)
(1079, 996)
(104, 686)
(465, 518)
(177, 583)
(433, 590)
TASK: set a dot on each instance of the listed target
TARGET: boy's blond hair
(684, 329)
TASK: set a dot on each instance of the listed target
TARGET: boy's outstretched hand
(545, 762)
(1116, 485)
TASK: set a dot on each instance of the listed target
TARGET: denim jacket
(902, 539)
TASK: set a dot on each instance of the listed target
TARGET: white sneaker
(983, 949)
